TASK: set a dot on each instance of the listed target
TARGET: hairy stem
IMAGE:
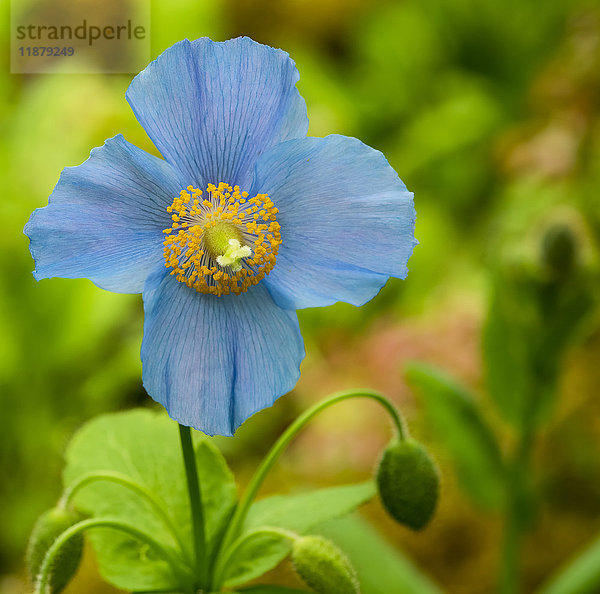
(125, 481)
(258, 478)
(179, 571)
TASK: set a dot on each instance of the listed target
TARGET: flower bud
(49, 526)
(323, 566)
(559, 250)
(408, 483)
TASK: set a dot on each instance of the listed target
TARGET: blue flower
(244, 221)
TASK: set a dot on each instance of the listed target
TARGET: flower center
(222, 242)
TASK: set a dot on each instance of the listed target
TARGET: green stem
(172, 559)
(257, 480)
(516, 515)
(222, 563)
(125, 481)
(509, 577)
(193, 484)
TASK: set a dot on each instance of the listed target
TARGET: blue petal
(104, 219)
(212, 108)
(347, 221)
(214, 361)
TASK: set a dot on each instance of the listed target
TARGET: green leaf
(579, 576)
(298, 513)
(301, 512)
(219, 491)
(465, 434)
(145, 447)
(380, 567)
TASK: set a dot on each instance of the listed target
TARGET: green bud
(559, 250)
(408, 483)
(49, 526)
(323, 566)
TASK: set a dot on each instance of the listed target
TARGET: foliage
(125, 473)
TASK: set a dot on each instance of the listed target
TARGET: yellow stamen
(209, 245)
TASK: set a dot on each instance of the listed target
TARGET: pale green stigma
(233, 255)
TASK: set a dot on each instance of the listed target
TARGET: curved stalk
(261, 472)
(174, 562)
(125, 481)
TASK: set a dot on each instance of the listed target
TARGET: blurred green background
(488, 110)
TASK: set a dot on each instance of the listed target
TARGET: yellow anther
(210, 249)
